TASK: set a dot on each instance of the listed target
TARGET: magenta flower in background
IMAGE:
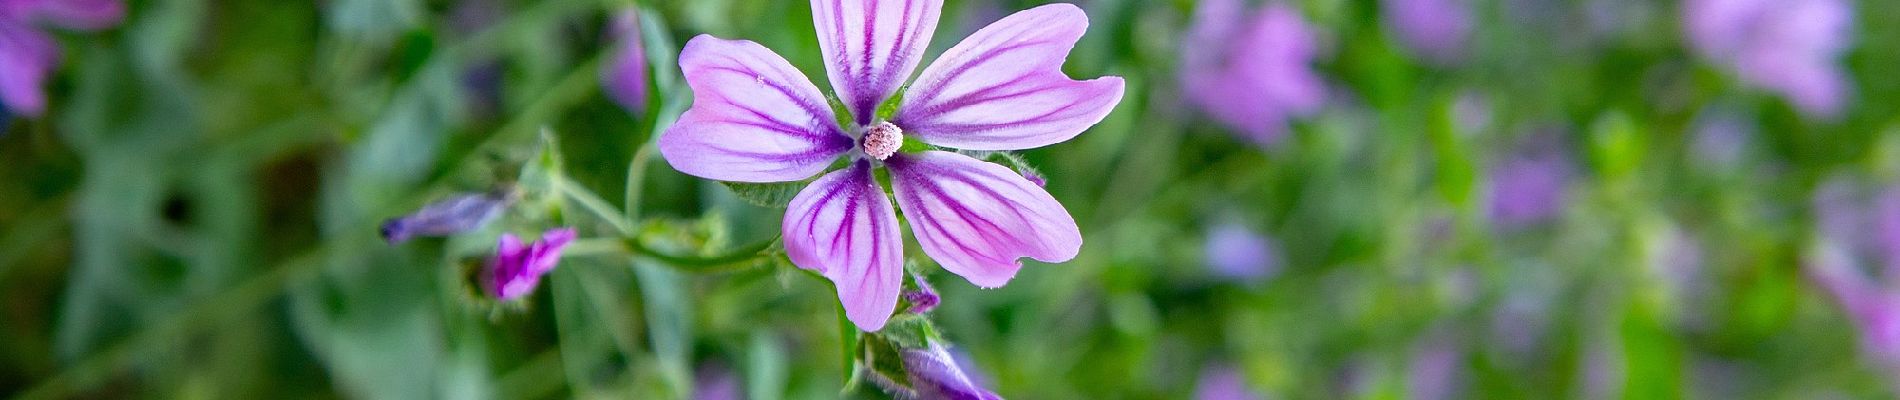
(1435, 30)
(1789, 47)
(516, 268)
(626, 79)
(1531, 184)
(1223, 382)
(757, 119)
(1856, 258)
(1251, 70)
(28, 55)
(1235, 251)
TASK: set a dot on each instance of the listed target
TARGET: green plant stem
(594, 204)
(738, 258)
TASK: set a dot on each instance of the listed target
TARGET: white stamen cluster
(883, 140)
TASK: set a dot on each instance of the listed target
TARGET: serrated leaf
(775, 195)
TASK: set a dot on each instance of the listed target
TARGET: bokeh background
(1572, 199)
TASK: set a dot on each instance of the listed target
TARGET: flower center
(882, 140)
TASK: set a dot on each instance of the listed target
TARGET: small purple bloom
(626, 80)
(1787, 47)
(1223, 382)
(28, 55)
(1436, 30)
(1234, 251)
(455, 215)
(924, 298)
(1857, 259)
(1531, 184)
(517, 268)
(1251, 70)
(755, 118)
(934, 374)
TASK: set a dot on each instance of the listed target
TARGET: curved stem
(735, 259)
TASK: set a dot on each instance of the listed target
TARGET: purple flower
(1788, 47)
(934, 374)
(1235, 251)
(28, 55)
(516, 268)
(1857, 259)
(1251, 70)
(756, 119)
(1531, 184)
(1436, 30)
(1223, 382)
(455, 215)
(626, 80)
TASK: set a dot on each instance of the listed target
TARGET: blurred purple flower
(934, 374)
(516, 268)
(1531, 184)
(1234, 251)
(1223, 382)
(626, 79)
(755, 118)
(1857, 259)
(1251, 70)
(714, 381)
(28, 55)
(455, 215)
(1436, 30)
(1722, 139)
(1436, 369)
(1789, 47)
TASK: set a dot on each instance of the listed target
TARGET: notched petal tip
(1003, 87)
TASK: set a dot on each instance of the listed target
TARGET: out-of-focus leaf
(669, 322)
(765, 366)
(775, 195)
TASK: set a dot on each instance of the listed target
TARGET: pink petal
(754, 117)
(1003, 87)
(27, 57)
(843, 227)
(872, 46)
(978, 219)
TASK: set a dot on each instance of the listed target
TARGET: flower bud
(934, 375)
(459, 214)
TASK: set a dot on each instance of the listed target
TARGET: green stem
(594, 204)
(636, 179)
(736, 259)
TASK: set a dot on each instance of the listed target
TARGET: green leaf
(669, 321)
(775, 195)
